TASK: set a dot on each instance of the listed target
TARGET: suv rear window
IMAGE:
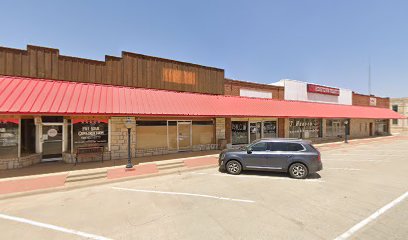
(285, 147)
(294, 147)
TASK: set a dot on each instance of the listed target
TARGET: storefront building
(399, 105)
(59, 108)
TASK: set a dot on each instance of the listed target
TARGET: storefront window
(151, 134)
(88, 133)
(8, 138)
(381, 127)
(304, 128)
(239, 132)
(269, 129)
(335, 127)
(203, 132)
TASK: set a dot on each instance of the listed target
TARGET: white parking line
(372, 217)
(264, 177)
(184, 194)
(345, 169)
(53, 227)
(349, 160)
(367, 154)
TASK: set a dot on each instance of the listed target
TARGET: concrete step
(166, 166)
(86, 176)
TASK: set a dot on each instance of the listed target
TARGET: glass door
(52, 142)
(269, 129)
(254, 131)
(184, 135)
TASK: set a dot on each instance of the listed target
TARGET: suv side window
(277, 146)
(294, 147)
(259, 147)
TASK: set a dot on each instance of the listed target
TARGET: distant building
(399, 105)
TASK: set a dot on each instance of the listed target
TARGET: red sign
(323, 90)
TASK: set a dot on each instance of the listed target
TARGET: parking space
(357, 180)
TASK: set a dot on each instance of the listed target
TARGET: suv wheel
(298, 171)
(234, 167)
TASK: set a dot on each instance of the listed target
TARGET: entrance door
(254, 131)
(371, 129)
(52, 142)
(184, 135)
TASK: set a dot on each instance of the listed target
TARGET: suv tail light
(319, 158)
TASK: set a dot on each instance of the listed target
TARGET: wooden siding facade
(133, 70)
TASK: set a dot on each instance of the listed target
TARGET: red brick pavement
(30, 184)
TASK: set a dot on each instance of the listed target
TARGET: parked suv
(297, 157)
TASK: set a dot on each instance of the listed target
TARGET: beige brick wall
(119, 138)
(219, 129)
(21, 162)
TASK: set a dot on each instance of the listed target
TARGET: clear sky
(321, 41)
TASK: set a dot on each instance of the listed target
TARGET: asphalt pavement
(360, 194)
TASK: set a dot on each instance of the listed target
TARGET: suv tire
(234, 167)
(298, 171)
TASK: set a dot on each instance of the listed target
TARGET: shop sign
(8, 132)
(323, 90)
(373, 101)
(90, 131)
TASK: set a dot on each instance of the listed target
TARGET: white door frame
(52, 124)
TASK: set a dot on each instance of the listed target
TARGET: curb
(97, 183)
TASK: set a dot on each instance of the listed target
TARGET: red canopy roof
(20, 95)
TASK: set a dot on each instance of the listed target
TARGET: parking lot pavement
(357, 181)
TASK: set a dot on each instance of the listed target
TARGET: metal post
(345, 132)
(129, 164)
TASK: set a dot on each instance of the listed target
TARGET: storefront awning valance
(19, 95)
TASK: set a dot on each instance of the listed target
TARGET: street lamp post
(128, 125)
(345, 131)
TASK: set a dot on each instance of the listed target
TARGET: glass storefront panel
(90, 133)
(9, 138)
(254, 131)
(151, 134)
(203, 132)
(304, 128)
(52, 141)
(269, 129)
(239, 132)
(381, 127)
(335, 127)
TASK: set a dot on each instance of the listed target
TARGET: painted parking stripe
(372, 217)
(365, 154)
(184, 194)
(350, 160)
(52, 227)
(252, 176)
(345, 169)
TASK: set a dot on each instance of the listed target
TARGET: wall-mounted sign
(90, 132)
(323, 90)
(52, 132)
(373, 101)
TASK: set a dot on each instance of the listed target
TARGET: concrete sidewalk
(99, 174)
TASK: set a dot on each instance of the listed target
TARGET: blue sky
(321, 41)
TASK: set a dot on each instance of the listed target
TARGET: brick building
(399, 105)
(55, 107)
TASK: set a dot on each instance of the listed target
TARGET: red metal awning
(19, 95)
